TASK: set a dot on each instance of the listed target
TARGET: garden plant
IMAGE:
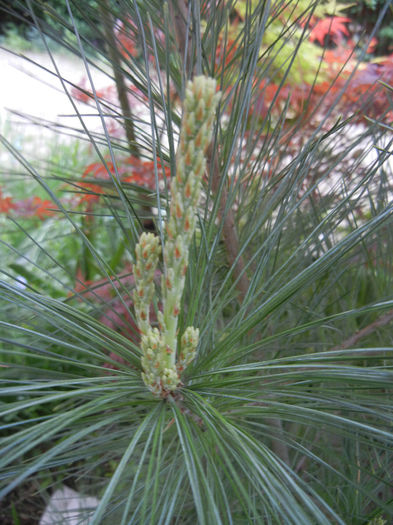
(196, 299)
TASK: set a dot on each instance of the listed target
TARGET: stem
(279, 447)
(179, 15)
(87, 259)
(230, 237)
(367, 330)
(121, 87)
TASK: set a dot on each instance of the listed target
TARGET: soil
(22, 506)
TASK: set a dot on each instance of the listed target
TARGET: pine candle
(162, 360)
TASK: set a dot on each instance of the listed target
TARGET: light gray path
(27, 88)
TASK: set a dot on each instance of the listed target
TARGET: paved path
(27, 88)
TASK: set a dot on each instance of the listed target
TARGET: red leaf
(33, 207)
(126, 37)
(143, 172)
(6, 204)
(372, 45)
(333, 27)
(90, 197)
(98, 170)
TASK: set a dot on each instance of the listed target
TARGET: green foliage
(19, 33)
(13, 39)
(366, 13)
(285, 414)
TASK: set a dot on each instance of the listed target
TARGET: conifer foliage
(195, 321)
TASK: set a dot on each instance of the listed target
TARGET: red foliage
(95, 190)
(26, 208)
(333, 27)
(42, 207)
(372, 45)
(131, 169)
(96, 170)
(99, 170)
(297, 96)
(339, 56)
(6, 203)
(360, 92)
(83, 94)
(143, 172)
(80, 92)
(228, 47)
(126, 39)
(30, 207)
(365, 89)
